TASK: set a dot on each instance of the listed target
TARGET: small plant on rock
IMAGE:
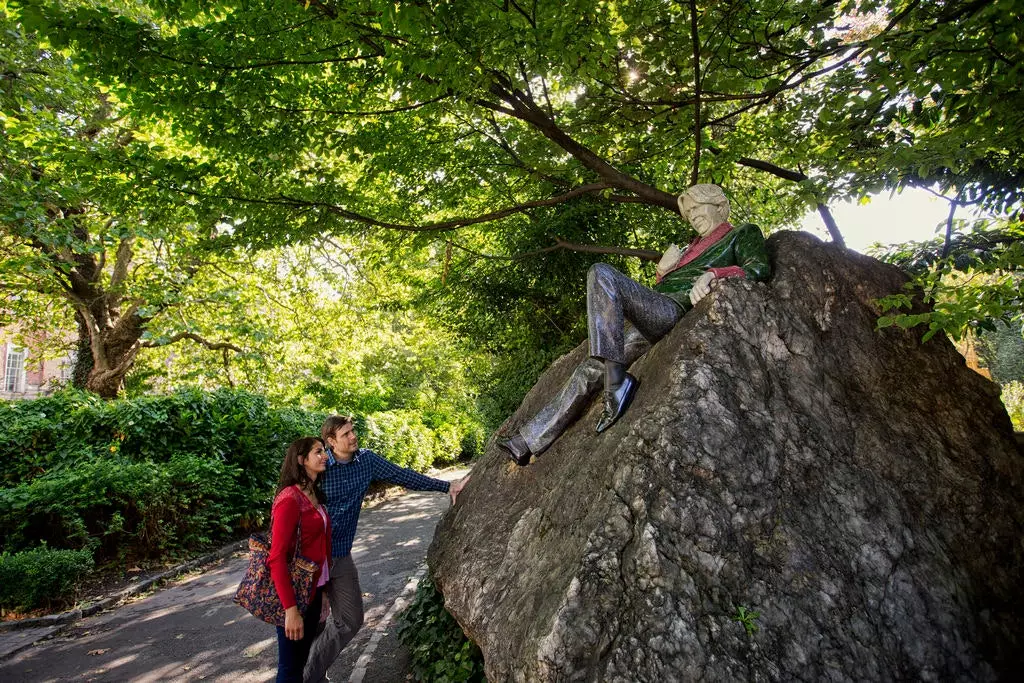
(747, 618)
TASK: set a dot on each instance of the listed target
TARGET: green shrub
(122, 509)
(228, 425)
(440, 651)
(1013, 399)
(153, 476)
(41, 577)
(34, 435)
(413, 439)
(472, 441)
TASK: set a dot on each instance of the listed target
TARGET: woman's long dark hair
(292, 471)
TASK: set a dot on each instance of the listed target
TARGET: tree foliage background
(471, 158)
(389, 208)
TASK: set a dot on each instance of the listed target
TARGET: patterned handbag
(257, 594)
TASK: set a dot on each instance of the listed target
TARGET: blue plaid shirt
(345, 484)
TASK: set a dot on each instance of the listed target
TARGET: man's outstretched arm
(410, 479)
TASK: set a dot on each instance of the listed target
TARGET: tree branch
(440, 226)
(695, 37)
(356, 112)
(173, 339)
(645, 254)
(947, 242)
(830, 225)
(122, 261)
(526, 110)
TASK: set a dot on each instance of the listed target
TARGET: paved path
(192, 631)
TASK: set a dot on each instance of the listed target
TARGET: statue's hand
(701, 287)
(669, 260)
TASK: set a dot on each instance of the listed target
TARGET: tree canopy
(480, 139)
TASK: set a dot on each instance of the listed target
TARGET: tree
(81, 236)
(462, 125)
(436, 116)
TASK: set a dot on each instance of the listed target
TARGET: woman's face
(315, 461)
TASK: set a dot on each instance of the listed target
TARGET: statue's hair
(703, 193)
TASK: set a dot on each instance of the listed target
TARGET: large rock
(861, 491)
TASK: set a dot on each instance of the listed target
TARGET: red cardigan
(291, 506)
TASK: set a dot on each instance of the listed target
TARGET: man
(350, 470)
(624, 318)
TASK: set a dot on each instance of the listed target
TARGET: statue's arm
(752, 253)
(668, 261)
(750, 256)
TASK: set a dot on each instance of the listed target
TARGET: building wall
(28, 373)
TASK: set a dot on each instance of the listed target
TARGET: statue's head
(704, 206)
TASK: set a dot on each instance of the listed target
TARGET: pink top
(324, 569)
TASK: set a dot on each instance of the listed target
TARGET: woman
(299, 502)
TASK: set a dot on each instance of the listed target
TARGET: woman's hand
(293, 623)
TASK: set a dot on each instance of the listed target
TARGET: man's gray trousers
(346, 618)
(623, 319)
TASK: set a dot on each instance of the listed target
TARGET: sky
(912, 215)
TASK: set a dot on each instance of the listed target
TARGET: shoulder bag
(257, 594)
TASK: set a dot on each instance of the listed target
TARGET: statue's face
(705, 207)
(702, 218)
(705, 217)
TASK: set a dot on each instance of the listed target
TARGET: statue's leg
(574, 396)
(612, 299)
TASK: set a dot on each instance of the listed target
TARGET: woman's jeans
(292, 654)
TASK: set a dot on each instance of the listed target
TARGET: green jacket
(741, 251)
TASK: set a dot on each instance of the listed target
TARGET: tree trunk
(112, 355)
(83, 355)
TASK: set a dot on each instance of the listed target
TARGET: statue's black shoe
(517, 449)
(616, 402)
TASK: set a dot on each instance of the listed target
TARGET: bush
(1013, 399)
(440, 651)
(154, 476)
(41, 577)
(406, 439)
(227, 425)
(121, 509)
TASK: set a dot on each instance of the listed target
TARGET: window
(14, 373)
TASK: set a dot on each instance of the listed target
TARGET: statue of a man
(624, 317)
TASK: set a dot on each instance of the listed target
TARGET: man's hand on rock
(456, 487)
(701, 287)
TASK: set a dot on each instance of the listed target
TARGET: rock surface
(860, 492)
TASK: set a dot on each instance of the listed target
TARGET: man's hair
(333, 424)
(704, 193)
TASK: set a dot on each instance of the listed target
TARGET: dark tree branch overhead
(560, 244)
(356, 112)
(441, 226)
(830, 225)
(948, 238)
(697, 132)
(173, 339)
(645, 254)
(522, 107)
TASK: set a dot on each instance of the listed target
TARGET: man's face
(344, 442)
